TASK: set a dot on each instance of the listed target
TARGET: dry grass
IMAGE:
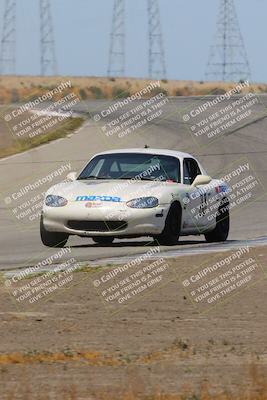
(254, 385)
(180, 349)
(90, 357)
(255, 390)
(15, 89)
(18, 146)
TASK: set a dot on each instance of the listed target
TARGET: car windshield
(132, 166)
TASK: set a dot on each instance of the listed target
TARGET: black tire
(52, 239)
(103, 239)
(171, 232)
(221, 231)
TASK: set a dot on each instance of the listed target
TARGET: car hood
(112, 190)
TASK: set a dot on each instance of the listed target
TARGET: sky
(82, 31)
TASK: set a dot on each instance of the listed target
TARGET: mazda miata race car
(128, 193)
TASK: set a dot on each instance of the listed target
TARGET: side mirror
(201, 180)
(72, 176)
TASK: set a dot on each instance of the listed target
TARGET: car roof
(165, 152)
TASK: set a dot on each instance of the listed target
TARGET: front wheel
(171, 232)
(52, 239)
(221, 231)
(103, 240)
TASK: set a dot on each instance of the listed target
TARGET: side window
(186, 174)
(191, 170)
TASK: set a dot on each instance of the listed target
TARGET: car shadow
(137, 244)
(143, 243)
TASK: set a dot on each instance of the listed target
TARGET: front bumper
(115, 220)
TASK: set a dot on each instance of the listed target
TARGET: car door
(197, 197)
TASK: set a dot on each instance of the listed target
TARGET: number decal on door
(203, 205)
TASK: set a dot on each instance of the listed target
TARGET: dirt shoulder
(77, 344)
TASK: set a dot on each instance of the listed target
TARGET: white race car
(130, 193)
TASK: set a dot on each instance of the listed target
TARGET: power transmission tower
(156, 57)
(228, 59)
(8, 42)
(48, 54)
(116, 64)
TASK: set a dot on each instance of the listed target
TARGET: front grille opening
(97, 226)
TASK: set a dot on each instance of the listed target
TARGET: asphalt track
(19, 239)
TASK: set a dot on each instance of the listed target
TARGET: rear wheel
(103, 240)
(221, 231)
(171, 232)
(52, 239)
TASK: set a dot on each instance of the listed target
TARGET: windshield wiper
(92, 177)
(129, 178)
(121, 177)
(147, 179)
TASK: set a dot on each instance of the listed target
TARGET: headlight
(55, 201)
(143, 202)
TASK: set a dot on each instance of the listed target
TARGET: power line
(48, 53)
(228, 59)
(8, 42)
(156, 56)
(116, 64)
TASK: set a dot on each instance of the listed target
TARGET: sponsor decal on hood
(99, 198)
